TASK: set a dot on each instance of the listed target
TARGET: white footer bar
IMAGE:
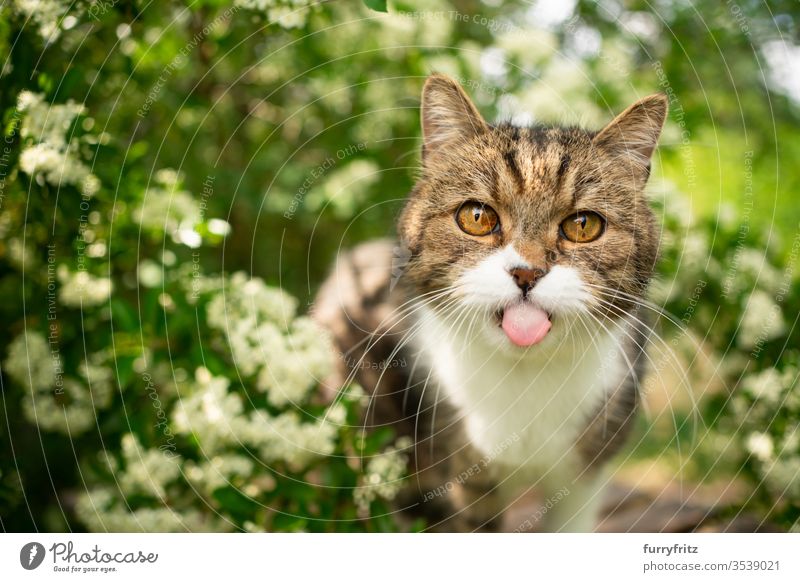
(402, 557)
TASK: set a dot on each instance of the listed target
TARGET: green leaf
(233, 501)
(377, 5)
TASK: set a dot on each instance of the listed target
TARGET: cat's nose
(526, 278)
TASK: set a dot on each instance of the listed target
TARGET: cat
(511, 298)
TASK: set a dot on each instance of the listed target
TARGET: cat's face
(526, 233)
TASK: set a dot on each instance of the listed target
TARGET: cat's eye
(583, 227)
(477, 219)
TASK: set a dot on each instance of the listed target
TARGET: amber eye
(583, 227)
(477, 219)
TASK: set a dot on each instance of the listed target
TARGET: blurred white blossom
(53, 401)
(218, 471)
(295, 363)
(760, 445)
(767, 384)
(289, 355)
(100, 511)
(292, 14)
(50, 153)
(165, 207)
(762, 320)
(70, 410)
(215, 416)
(46, 14)
(57, 167)
(208, 412)
(29, 362)
(751, 268)
(20, 254)
(82, 288)
(47, 122)
(150, 273)
(99, 377)
(147, 471)
(383, 475)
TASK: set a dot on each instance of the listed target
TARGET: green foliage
(378, 5)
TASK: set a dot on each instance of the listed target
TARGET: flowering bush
(176, 446)
(188, 400)
(734, 296)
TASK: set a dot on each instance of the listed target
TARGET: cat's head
(526, 231)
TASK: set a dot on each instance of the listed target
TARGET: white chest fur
(524, 409)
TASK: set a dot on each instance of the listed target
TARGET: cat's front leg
(574, 506)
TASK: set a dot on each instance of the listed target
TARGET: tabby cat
(502, 331)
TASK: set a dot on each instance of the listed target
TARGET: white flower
(82, 288)
(255, 4)
(762, 321)
(52, 401)
(90, 185)
(219, 471)
(383, 475)
(67, 409)
(195, 284)
(290, 14)
(147, 471)
(45, 13)
(287, 438)
(337, 414)
(57, 167)
(296, 363)
(99, 378)
(208, 412)
(45, 122)
(21, 255)
(101, 511)
(398, 30)
(767, 385)
(544, 100)
(754, 263)
(219, 227)
(760, 446)
(288, 17)
(49, 153)
(29, 361)
(290, 355)
(791, 439)
(168, 209)
(168, 177)
(531, 45)
(150, 273)
(694, 250)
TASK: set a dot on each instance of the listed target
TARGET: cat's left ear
(634, 133)
(448, 115)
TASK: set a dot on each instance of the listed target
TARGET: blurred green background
(151, 150)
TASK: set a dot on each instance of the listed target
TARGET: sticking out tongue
(525, 324)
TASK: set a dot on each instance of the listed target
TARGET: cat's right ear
(448, 115)
(634, 133)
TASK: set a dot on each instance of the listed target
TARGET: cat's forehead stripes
(530, 162)
(512, 165)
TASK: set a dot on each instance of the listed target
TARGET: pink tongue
(525, 324)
